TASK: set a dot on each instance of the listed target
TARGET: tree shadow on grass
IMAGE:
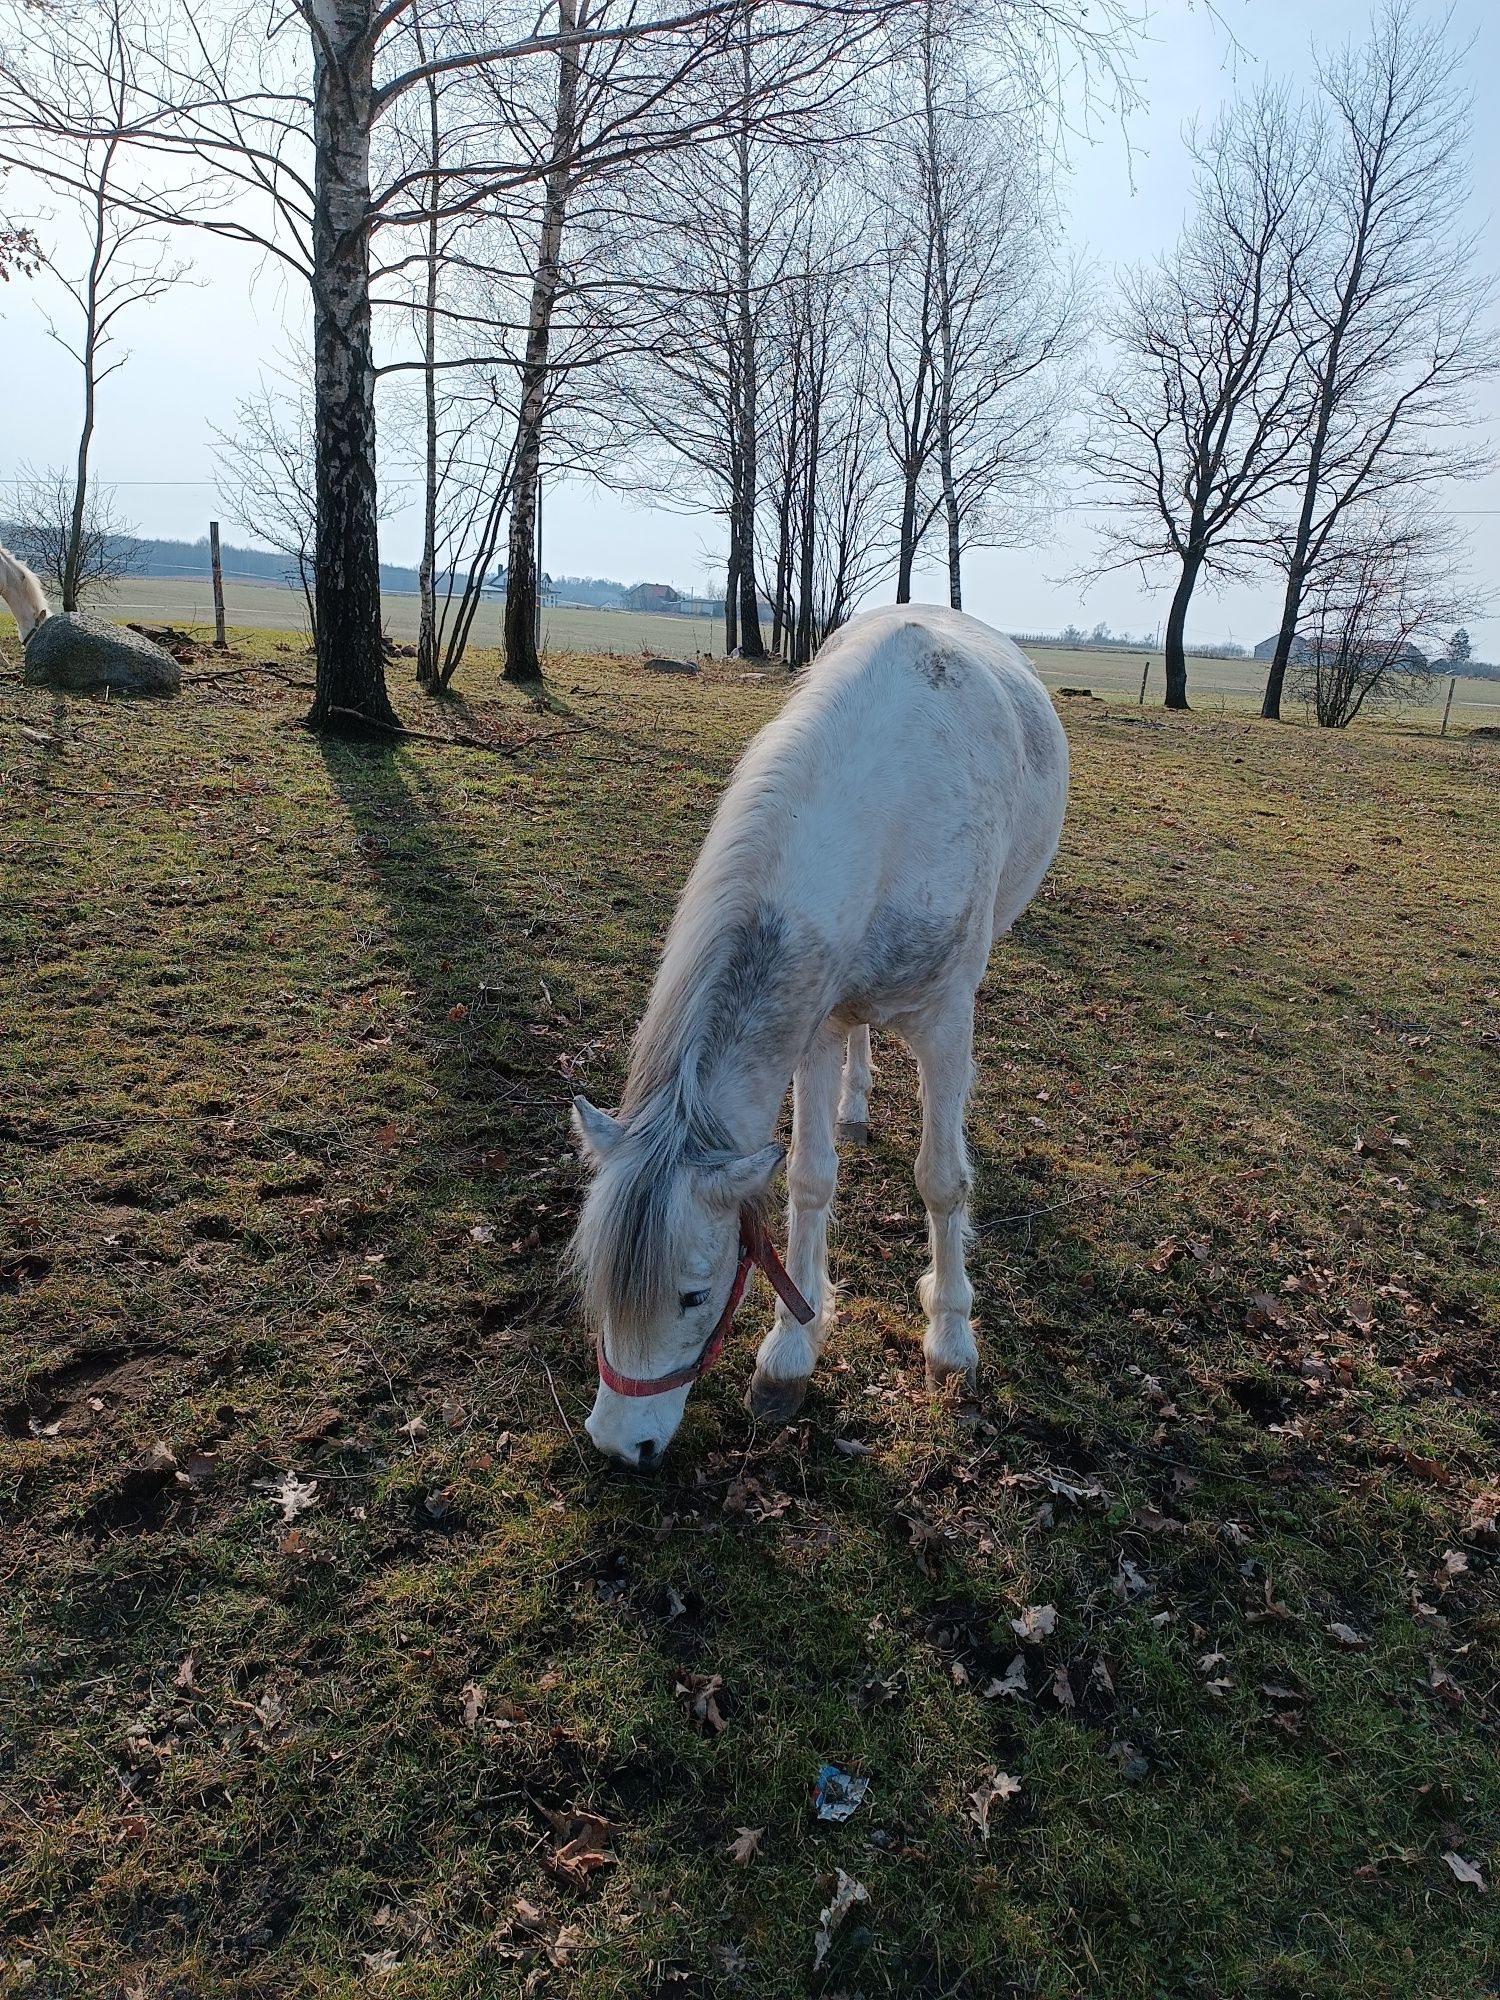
(484, 1140)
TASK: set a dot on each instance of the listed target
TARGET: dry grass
(289, 1033)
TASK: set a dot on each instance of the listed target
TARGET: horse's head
(658, 1253)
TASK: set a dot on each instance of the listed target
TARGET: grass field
(333, 1663)
(1113, 674)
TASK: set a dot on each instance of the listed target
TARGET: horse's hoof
(774, 1402)
(945, 1380)
(854, 1132)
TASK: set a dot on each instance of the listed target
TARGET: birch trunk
(942, 272)
(351, 672)
(522, 661)
(429, 674)
(752, 646)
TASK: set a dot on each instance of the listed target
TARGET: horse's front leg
(789, 1351)
(944, 1052)
(854, 1095)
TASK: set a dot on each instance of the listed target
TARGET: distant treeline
(1074, 639)
(144, 555)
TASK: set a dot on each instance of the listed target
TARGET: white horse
(896, 816)
(23, 593)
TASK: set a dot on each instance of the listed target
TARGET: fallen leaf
(1443, 1685)
(1037, 1621)
(1465, 1871)
(847, 1892)
(1156, 1523)
(1011, 1682)
(995, 1787)
(294, 1495)
(183, 1678)
(471, 1701)
(745, 1845)
(854, 1448)
(582, 1838)
(1062, 1689)
(698, 1692)
(1346, 1636)
(1427, 1468)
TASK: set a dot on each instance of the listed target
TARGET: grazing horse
(875, 838)
(23, 593)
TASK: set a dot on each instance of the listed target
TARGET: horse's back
(942, 714)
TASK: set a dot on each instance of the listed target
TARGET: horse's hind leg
(944, 1052)
(788, 1352)
(854, 1096)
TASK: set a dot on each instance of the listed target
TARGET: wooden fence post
(213, 553)
(1448, 705)
(1145, 670)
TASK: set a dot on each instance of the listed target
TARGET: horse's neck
(730, 1026)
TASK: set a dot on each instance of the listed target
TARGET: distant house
(1266, 650)
(1408, 654)
(653, 597)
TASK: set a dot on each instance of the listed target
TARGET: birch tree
(278, 110)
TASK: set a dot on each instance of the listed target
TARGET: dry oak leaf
(582, 1840)
(1346, 1636)
(1466, 1871)
(1012, 1681)
(847, 1892)
(698, 1691)
(294, 1495)
(472, 1703)
(995, 1787)
(745, 1845)
(1037, 1621)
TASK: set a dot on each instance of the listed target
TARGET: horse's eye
(687, 1301)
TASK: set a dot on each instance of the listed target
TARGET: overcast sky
(193, 353)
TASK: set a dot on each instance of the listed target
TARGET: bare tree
(71, 548)
(267, 480)
(1392, 312)
(1388, 580)
(282, 126)
(1196, 426)
(828, 474)
(125, 263)
(975, 316)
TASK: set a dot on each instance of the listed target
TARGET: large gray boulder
(76, 651)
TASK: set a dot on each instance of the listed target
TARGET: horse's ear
(597, 1133)
(739, 1181)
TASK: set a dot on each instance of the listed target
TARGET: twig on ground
(557, 1400)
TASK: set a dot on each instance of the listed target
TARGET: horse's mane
(23, 593)
(723, 961)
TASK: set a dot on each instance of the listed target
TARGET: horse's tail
(23, 593)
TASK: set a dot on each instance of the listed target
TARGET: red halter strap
(756, 1249)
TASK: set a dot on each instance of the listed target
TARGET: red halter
(756, 1248)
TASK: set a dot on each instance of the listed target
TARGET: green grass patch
(289, 1031)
